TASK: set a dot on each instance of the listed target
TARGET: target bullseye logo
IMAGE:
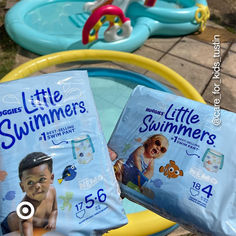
(25, 210)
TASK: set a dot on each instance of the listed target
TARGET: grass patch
(8, 48)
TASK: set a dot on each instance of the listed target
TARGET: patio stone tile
(208, 34)
(162, 44)
(227, 92)
(180, 231)
(229, 65)
(146, 52)
(233, 47)
(24, 56)
(197, 75)
(195, 51)
(10, 3)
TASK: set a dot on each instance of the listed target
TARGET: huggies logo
(10, 111)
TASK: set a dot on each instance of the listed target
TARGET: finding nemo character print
(68, 174)
(3, 175)
(171, 170)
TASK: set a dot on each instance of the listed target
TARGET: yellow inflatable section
(39, 63)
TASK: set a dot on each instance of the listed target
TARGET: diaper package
(173, 160)
(55, 170)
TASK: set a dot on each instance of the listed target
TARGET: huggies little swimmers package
(174, 161)
(55, 170)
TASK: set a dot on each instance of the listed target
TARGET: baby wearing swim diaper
(36, 177)
(56, 113)
(139, 167)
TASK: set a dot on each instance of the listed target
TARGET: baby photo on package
(55, 170)
(173, 160)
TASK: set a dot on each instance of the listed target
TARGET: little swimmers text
(42, 108)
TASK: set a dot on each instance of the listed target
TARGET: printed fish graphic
(10, 195)
(3, 175)
(68, 174)
(171, 170)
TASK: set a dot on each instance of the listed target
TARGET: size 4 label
(200, 193)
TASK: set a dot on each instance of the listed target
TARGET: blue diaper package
(55, 170)
(173, 160)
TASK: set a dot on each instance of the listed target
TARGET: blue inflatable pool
(47, 26)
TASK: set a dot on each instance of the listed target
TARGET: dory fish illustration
(68, 174)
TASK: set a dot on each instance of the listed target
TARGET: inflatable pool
(47, 26)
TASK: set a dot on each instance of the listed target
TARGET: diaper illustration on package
(173, 160)
(50, 133)
(213, 160)
(83, 149)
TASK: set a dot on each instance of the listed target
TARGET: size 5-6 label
(200, 193)
(92, 205)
